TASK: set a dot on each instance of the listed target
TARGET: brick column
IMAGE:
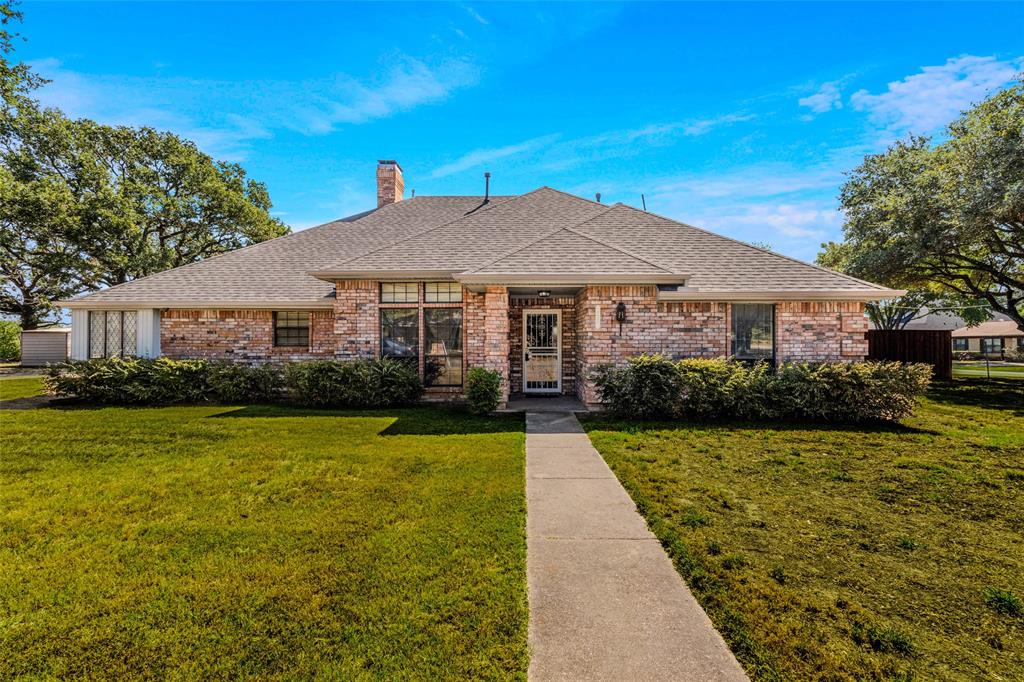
(356, 319)
(496, 335)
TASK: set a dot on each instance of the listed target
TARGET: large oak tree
(85, 206)
(947, 217)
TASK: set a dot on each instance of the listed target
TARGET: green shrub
(647, 387)
(709, 388)
(237, 383)
(383, 382)
(483, 390)
(652, 386)
(131, 380)
(10, 341)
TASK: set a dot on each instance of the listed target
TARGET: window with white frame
(112, 333)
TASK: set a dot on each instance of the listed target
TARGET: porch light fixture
(543, 293)
(620, 312)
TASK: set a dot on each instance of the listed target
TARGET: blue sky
(737, 117)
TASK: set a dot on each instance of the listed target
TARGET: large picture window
(291, 328)
(112, 333)
(443, 352)
(753, 331)
(399, 333)
(959, 344)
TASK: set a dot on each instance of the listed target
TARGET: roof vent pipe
(599, 197)
(487, 187)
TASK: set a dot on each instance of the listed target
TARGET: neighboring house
(540, 287)
(995, 339)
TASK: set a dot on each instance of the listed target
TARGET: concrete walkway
(605, 601)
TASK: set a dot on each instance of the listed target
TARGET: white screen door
(542, 351)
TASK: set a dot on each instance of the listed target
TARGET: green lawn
(973, 370)
(12, 388)
(844, 553)
(265, 542)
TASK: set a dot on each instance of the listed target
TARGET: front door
(542, 351)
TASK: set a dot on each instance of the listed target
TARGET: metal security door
(542, 351)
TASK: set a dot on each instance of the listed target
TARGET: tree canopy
(946, 218)
(85, 206)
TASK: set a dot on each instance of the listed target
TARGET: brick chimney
(390, 185)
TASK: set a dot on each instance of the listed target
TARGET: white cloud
(925, 102)
(194, 107)
(479, 157)
(705, 125)
(827, 98)
(550, 153)
(476, 15)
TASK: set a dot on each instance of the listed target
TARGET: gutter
(85, 303)
(771, 296)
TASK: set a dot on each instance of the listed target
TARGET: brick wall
(805, 331)
(240, 336)
(675, 329)
(356, 319)
(495, 337)
(567, 305)
(814, 331)
(474, 320)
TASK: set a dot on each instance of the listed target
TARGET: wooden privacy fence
(934, 347)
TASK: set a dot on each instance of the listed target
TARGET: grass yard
(263, 542)
(12, 388)
(845, 553)
(974, 370)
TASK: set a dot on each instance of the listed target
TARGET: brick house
(540, 287)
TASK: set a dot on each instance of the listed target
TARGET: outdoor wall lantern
(544, 293)
(620, 312)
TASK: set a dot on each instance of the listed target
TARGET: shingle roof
(277, 271)
(992, 328)
(543, 232)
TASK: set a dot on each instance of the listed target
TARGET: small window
(992, 345)
(959, 344)
(399, 333)
(1020, 343)
(399, 292)
(112, 333)
(443, 352)
(753, 331)
(442, 292)
(291, 328)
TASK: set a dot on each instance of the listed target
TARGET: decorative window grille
(112, 333)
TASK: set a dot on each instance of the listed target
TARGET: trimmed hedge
(483, 390)
(356, 383)
(131, 380)
(384, 382)
(651, 386)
